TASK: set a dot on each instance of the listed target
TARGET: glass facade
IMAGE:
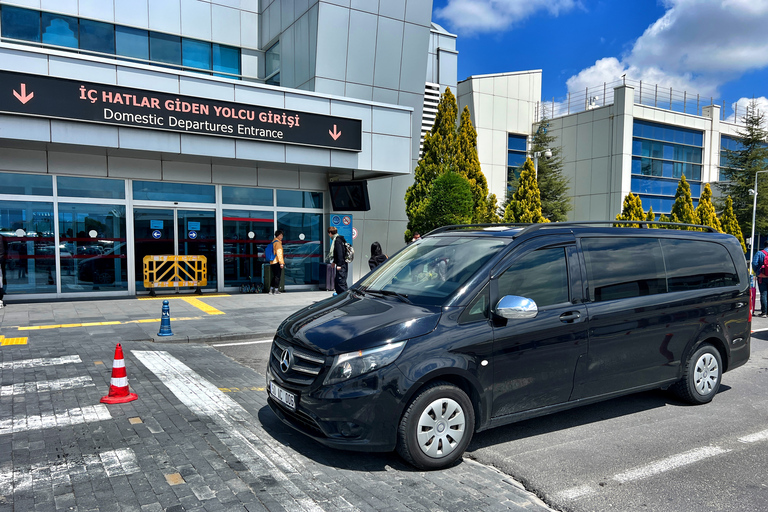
(517, 152)
(69, 234)
(126, 42)
(661, 154)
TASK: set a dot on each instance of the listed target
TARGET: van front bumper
(361, 414)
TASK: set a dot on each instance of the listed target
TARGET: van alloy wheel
(441, 428)
(702, 375)
(706, 374)
(436, 427)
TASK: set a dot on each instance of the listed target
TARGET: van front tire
(436, 427)
(701, 377)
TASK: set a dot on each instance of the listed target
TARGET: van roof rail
(529, 228)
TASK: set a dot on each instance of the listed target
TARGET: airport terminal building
(198, 127)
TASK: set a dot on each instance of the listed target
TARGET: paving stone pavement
(200, 436)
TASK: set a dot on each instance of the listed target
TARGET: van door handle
(570, 316)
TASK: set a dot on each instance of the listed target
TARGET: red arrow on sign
(23, 97)
(335, 133)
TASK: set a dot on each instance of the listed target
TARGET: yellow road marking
(235, 390)
(92, 324)
(183, 297)
(203, 306)
(12, 341)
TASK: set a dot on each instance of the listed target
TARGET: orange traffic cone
(118, 387)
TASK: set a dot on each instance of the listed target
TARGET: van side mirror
(514, 307)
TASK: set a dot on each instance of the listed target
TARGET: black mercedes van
(475, 327)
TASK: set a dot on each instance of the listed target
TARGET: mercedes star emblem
(286, 360)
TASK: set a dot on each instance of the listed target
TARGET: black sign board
(44, 96)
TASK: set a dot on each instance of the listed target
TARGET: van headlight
(353, 364)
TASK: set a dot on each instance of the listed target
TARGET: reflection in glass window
(273, 80)
(96, 36)
(539, 275)
(302, 246)
(26, 184)
(196, 54)
(299, 199)
(619, 268)
(272, 59)
(90, 187)
(132, 42)
(516, 156)
(92, 247)
(693, 265)
(244, 195)
(246, 233)
(226, 59)
(21, 24)
(31, 264)
(164, 48)
(178, 192)
(60, 30)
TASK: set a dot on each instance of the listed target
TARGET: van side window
(619, 268)
(695, 264)
(478, 308)
(540, 275)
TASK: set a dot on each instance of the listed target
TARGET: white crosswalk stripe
(76, 416)
(110, 463)
(37, 362)
(46, 385)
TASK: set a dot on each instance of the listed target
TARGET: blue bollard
(165, 321)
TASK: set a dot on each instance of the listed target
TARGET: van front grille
(305, 365)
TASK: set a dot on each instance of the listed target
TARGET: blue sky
(715, 48)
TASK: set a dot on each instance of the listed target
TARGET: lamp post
(754, 212)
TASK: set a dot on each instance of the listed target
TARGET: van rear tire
(701, 377)
(436, 427)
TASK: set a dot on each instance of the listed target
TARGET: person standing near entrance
(337, 256)
(278, 263)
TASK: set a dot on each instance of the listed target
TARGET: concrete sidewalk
(194, 318)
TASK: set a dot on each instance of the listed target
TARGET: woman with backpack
(760, 266)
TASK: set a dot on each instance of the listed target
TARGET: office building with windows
(620, 138)
(131, 129)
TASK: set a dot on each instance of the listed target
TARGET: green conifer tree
(730, 223)
(632, 209)
(705, 211)
(468, 165)
(451, 202)
(440, 151)
(553, 185)
(682, 210)
(738, 177)
(525, 205)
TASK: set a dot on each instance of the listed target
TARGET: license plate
(283, 396)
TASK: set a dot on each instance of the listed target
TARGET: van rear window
(696, 264)
(620, 268)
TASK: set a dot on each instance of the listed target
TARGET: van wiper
(393, 293)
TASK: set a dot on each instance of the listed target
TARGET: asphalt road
(647, 451)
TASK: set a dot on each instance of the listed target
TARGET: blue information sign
(155, 224)
(343, 223)
(157, 234)
(192, 235)
(193, 226)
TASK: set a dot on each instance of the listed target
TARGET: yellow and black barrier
(175, 271)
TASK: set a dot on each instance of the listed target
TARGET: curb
(214, 338)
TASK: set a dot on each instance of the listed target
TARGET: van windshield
(429, 271)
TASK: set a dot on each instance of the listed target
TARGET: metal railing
(653, 95)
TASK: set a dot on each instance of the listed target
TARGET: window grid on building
(70, 33)
(661, 154)
(431, 101)
(517, 152)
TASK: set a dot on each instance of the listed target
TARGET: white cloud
(740, 108)
(696, 46)
(476, 16)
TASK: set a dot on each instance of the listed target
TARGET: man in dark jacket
(337, 256)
